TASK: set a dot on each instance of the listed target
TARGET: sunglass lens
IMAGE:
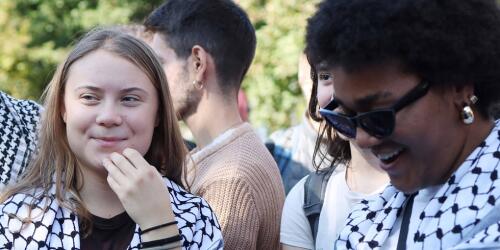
(378, 123)
(342, 124)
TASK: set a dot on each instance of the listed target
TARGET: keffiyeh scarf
(463, 214)
(57, 227)
(19, 121)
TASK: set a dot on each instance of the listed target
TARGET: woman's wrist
(146, 230)
(173, 242)
(160, 231)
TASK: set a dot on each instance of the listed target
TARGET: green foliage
(273, 92)
(37, 34)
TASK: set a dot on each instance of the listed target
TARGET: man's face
(185, 97)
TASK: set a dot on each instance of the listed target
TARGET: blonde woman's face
(109, 105)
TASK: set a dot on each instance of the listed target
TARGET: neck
(214, 116)
(475, 133)
(362, 175)
(98, 196)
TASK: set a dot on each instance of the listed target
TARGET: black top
(110, 234)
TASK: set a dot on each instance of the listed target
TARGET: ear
(462, 95)
(199, 60)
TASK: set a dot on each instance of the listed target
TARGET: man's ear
(199, 62)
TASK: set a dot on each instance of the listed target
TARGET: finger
(123, 164)
(113, 184)
(135, 158)
(113, 171)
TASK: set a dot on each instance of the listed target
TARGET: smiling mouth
(390, 157)
(108, 141)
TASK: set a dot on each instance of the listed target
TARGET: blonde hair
(55, 163)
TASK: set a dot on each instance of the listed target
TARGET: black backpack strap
(314, 195)
(270, 147)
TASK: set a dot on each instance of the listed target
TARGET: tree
(271, 83)
(37, 34)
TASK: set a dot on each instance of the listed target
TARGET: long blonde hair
(55, 163)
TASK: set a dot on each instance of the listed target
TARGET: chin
(405, 186)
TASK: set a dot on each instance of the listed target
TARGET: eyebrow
(96, 89)
(323, 66)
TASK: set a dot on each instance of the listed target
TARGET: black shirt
(110, 234)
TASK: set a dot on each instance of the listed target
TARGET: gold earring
(198, 84)
(467, 115)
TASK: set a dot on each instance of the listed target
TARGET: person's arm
(21, 120)
(287, 247)
(488, 238)
(295, 230)
(232, 201)
(5, 237)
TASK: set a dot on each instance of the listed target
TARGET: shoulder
(23, 108)
(23, 115)
(194, 216)
(295, 229)
(21, 201)
(294, 203)
(24, 207)
(181, 197)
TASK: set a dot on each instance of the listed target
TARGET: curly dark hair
(446, 42)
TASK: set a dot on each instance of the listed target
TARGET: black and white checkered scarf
(463, 214)
(19, 121)
(57, 227)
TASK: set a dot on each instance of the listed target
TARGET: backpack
(314, 195)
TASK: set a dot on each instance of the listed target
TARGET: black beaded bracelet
(159, 226)
(161, 242)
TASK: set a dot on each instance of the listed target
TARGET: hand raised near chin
(140, 188)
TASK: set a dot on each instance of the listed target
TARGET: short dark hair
(219, 26)
(446, 42)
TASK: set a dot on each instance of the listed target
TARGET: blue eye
(89, 98)
(130, 99)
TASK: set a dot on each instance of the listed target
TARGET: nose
(109, 115)
(365, 140)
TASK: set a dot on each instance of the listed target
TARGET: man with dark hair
(206, 47)
(19, 121)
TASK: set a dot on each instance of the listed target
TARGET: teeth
(388, 156)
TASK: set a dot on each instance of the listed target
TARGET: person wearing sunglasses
(316, 207)
(414, 83)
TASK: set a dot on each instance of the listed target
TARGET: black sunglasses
(379, 123)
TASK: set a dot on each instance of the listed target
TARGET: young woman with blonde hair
(91, 186)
